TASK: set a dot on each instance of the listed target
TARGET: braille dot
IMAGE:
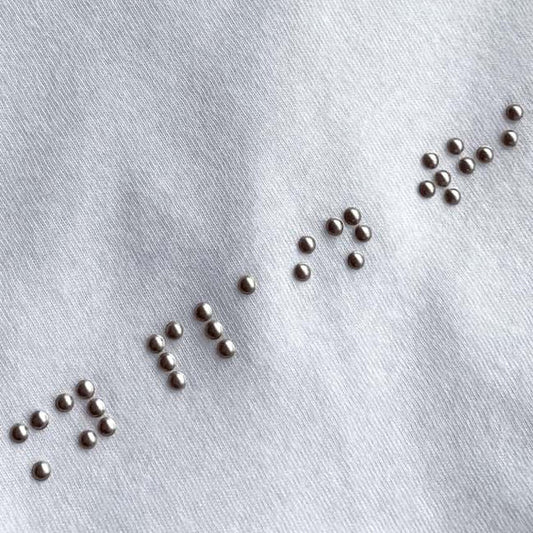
(334, 226)
(174, 330)
(88, 439)
(430, 160)
(107, 426)
(19, 432)
(167, 361)
(96, 407)
(452, 196)
(214, 329)
(356, 260)
(247, 285)
(514, 112)
(455, 146)
(41, 470)
(226, 348)
(485, 154)
(64, 402)
(467, 165)
(442, 178)
(352, 216)
(307, 244)
(203, 312)
(509, 138)
(363, 233)
(302, 272)
(426, 189)
(39, 420)
(85, 389)
(177, 380)
(156, 343)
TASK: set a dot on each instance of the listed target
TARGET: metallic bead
(107, 426)
(363, 233)
(307, 244)
(455, 146)
(247, 284)
(509, 138)
(430, 160)
(514, 112)
(426, 189)
(466, 165)
(96, 407)
(167, 361)
(64, 402)
(19, 432)
(334, 226)
(226, 348)
(485, 154)
(174, 330)
(214, 329)
(39, 420)
(352, 216)
(203, 312)
(156, 343)
(177, 380)
(41, 470)
(302, 272)
(442, 178)
(452, 196)
(85, 389)
(88, 439)
(356, 260)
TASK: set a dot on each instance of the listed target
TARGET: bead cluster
(167, 361)
(213, 328)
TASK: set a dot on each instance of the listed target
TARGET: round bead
(107, 426)
(39, 420)
(363, 233)
(442, 178)
(156, 343)
(452, 196)
(356, 260)
(307, 244)
(455, 146)
(203, 312)
(19, 432)
(352, 216)
(177, 380)
(514, 112)
(174, 330)
(485, 154)
(167, 361)
(64, 402)
(509, 138)
(430, 160)
(96, 407)
(41, 470)
(426, 189)
(214, 329)
(334, 226)
(85, 389)
(247, 285)
(226, 348)
(302, 272)
(467, 165)
(88, 439)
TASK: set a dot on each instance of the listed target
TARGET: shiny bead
(363, 233)
(302, 272)
(107, 426)
(39, 420)
(41, 470)
(307, 244)
(247, 285)
(334, 226)
(167, 361)
(426, 189)
(509, 138)
(356, 260)
(430, 160)
(352, 216)
(174, 330)
(156, 343)
(485, 154)
(19, 432)
(96, 407)
(455, 146)
(226, 348)
(203, 312)
(452, 196)
(85, 389)
(177, 380)
(88, 439)
(64, 402)
(214, 329)
(514, 112)
(442, 178)
(467, 165)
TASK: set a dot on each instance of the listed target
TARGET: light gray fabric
(152, 152)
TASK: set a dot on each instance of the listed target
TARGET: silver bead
(167, 361)
(352, 216)
(302, 272)
(307, 244)
(426, 189)
(226, 348)
(514, 112)
(39, 420)
(41, 470)
(214, 329)
(96, 407)
(452, 196)
(156, 343)
(356, 260)
(455, 146)
(442, 178)
(509, 138)
(203, 312)
(85, 389)
(19, 432)
(177, 380)
(88, 439)
(466, 165)
(363, 233)
(247, 285)
(430, 160)
(64, 402)
(174, 330)
(334, 226)
(107, 426)
(485, 154)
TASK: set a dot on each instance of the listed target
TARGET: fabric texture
(155, 151)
